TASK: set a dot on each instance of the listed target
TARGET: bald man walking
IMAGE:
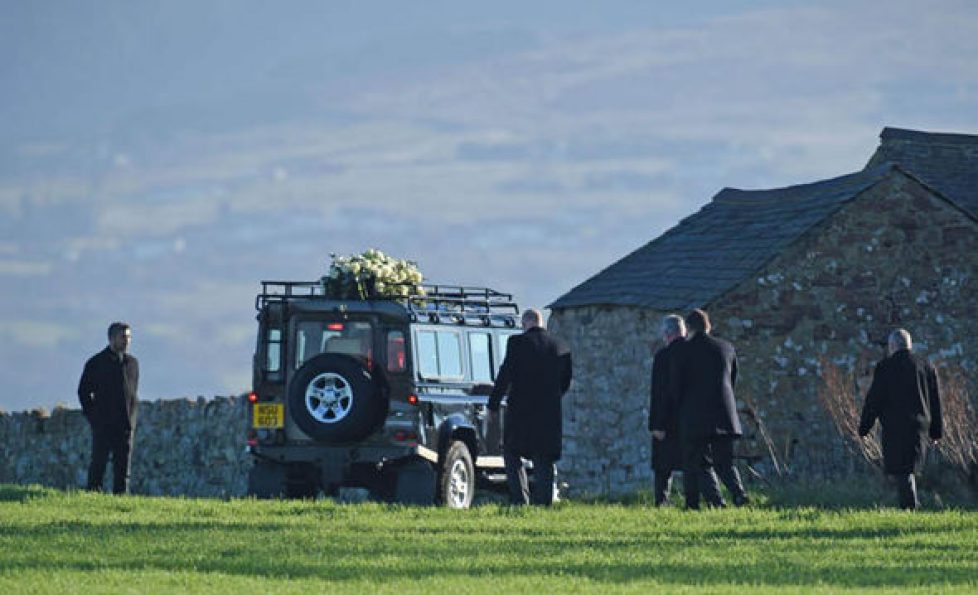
(905, 397)
(535, 374)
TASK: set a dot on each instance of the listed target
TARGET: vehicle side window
(503, 341)
(427, 354)
(273, 350)
(479, 357)
(439, 354)
(449, 354)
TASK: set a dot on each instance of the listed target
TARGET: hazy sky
(157, 160)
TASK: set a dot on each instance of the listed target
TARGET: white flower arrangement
(372, 274)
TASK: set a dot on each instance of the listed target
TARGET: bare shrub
(840, 396)
(959, 446)
(753, 418)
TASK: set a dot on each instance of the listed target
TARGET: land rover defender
(387, 394)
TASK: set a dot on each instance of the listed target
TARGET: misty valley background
(158, 160)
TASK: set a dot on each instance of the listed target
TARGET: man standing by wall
(663, 411)
(704, 378)
(536, 373)
(905, 397)
(108, 395)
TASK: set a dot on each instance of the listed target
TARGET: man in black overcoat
(535, 374)
(905, 397)
(108, 395)
(703, 381)
(663, 411)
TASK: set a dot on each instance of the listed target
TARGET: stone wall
(895, 256)
(181, 447)
(607, 445)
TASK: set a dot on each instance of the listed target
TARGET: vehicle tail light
(334, 326)
(412, 399)
(252, 397)
(401, 436)
(252, 438)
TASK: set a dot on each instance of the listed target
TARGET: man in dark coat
(704, 377)
(108, 395)
(535, 374)
(905, 397)
(663, 411)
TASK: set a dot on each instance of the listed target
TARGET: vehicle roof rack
(435, 302)
(462, 304)
(284, 291)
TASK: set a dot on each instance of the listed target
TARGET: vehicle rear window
(350, 337)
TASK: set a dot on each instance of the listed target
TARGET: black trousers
(117, 442)
(906, 487)
(662, 485)
(541, 492)
(701, 456)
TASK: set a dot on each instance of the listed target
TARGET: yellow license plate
(268, 415)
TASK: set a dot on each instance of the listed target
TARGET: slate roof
(715, 249)
(947, 163)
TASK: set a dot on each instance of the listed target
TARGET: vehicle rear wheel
(302, 481)
(456, 482)
(333, 398)
(266, 480)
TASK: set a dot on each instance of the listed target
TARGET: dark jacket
(108, 391)
(703, 379)
(905, 397)
(536, 373)
(663, 411)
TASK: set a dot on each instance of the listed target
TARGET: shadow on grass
(868, 491)
(22, 493)
(784, 557)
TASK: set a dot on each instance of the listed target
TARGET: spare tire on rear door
(334, 398)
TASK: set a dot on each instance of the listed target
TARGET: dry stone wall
(895, 256)
(183, 447)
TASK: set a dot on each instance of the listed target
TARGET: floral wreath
(372, 274)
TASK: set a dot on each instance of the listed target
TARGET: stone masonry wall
(181, 447)
(895, 256)
(607, 445)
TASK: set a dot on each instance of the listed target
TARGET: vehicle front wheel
(456, 481)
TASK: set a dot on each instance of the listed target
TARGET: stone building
(799, 278)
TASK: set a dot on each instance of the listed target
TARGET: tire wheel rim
(329, 398)
(458, 484)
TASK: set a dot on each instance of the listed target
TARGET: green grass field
(52, 541)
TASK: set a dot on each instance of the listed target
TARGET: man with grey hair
(663, 411)
(905, 397)
(535, 374)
